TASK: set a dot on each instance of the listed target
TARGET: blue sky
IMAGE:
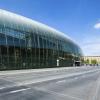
(79, 19)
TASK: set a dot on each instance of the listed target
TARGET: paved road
(58, 84)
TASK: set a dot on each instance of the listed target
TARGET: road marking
(62, 81)
(52, 78)
(15, 91)
(2, 88)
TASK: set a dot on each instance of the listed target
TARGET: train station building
(25, 43)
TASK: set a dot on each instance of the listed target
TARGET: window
(2, 39)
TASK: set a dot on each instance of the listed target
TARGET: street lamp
(58, 60)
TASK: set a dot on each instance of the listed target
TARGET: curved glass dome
(25, 43)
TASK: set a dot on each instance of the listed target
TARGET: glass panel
(2, 39)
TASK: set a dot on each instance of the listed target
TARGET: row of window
(14, 37)
(31, 49)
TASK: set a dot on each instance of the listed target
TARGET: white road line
(57, 77)
(51, 78)
(2, 88)
(62, 81)
(15, 91)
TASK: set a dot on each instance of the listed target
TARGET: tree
(86, 61)
(94, 61)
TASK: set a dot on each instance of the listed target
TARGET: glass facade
(26, 44)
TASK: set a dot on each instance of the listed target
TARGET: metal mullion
(57, 47)
(30, 37)
(46, 52)
(21, 50)
(54, 48)
(1, 55)
(6, 45)
(51, 51)
(19, 39)
(26, 45)
(38, 48)
(25, 50)
(14, 47)
(34, 48)
(43, 49)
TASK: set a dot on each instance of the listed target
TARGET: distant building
(90, 59)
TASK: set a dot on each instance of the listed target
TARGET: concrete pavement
(58, 84)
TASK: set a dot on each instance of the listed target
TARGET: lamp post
(58, 60)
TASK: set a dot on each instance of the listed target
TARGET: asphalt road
(58, 84)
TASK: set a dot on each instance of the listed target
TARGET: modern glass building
(25, 43)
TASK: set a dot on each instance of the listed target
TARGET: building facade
(92, 59)
(25, 43)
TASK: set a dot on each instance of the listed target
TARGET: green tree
(86, 61)
(94, 61)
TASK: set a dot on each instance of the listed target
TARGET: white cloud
(91, 49)
(91, 46)
(97, 26)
